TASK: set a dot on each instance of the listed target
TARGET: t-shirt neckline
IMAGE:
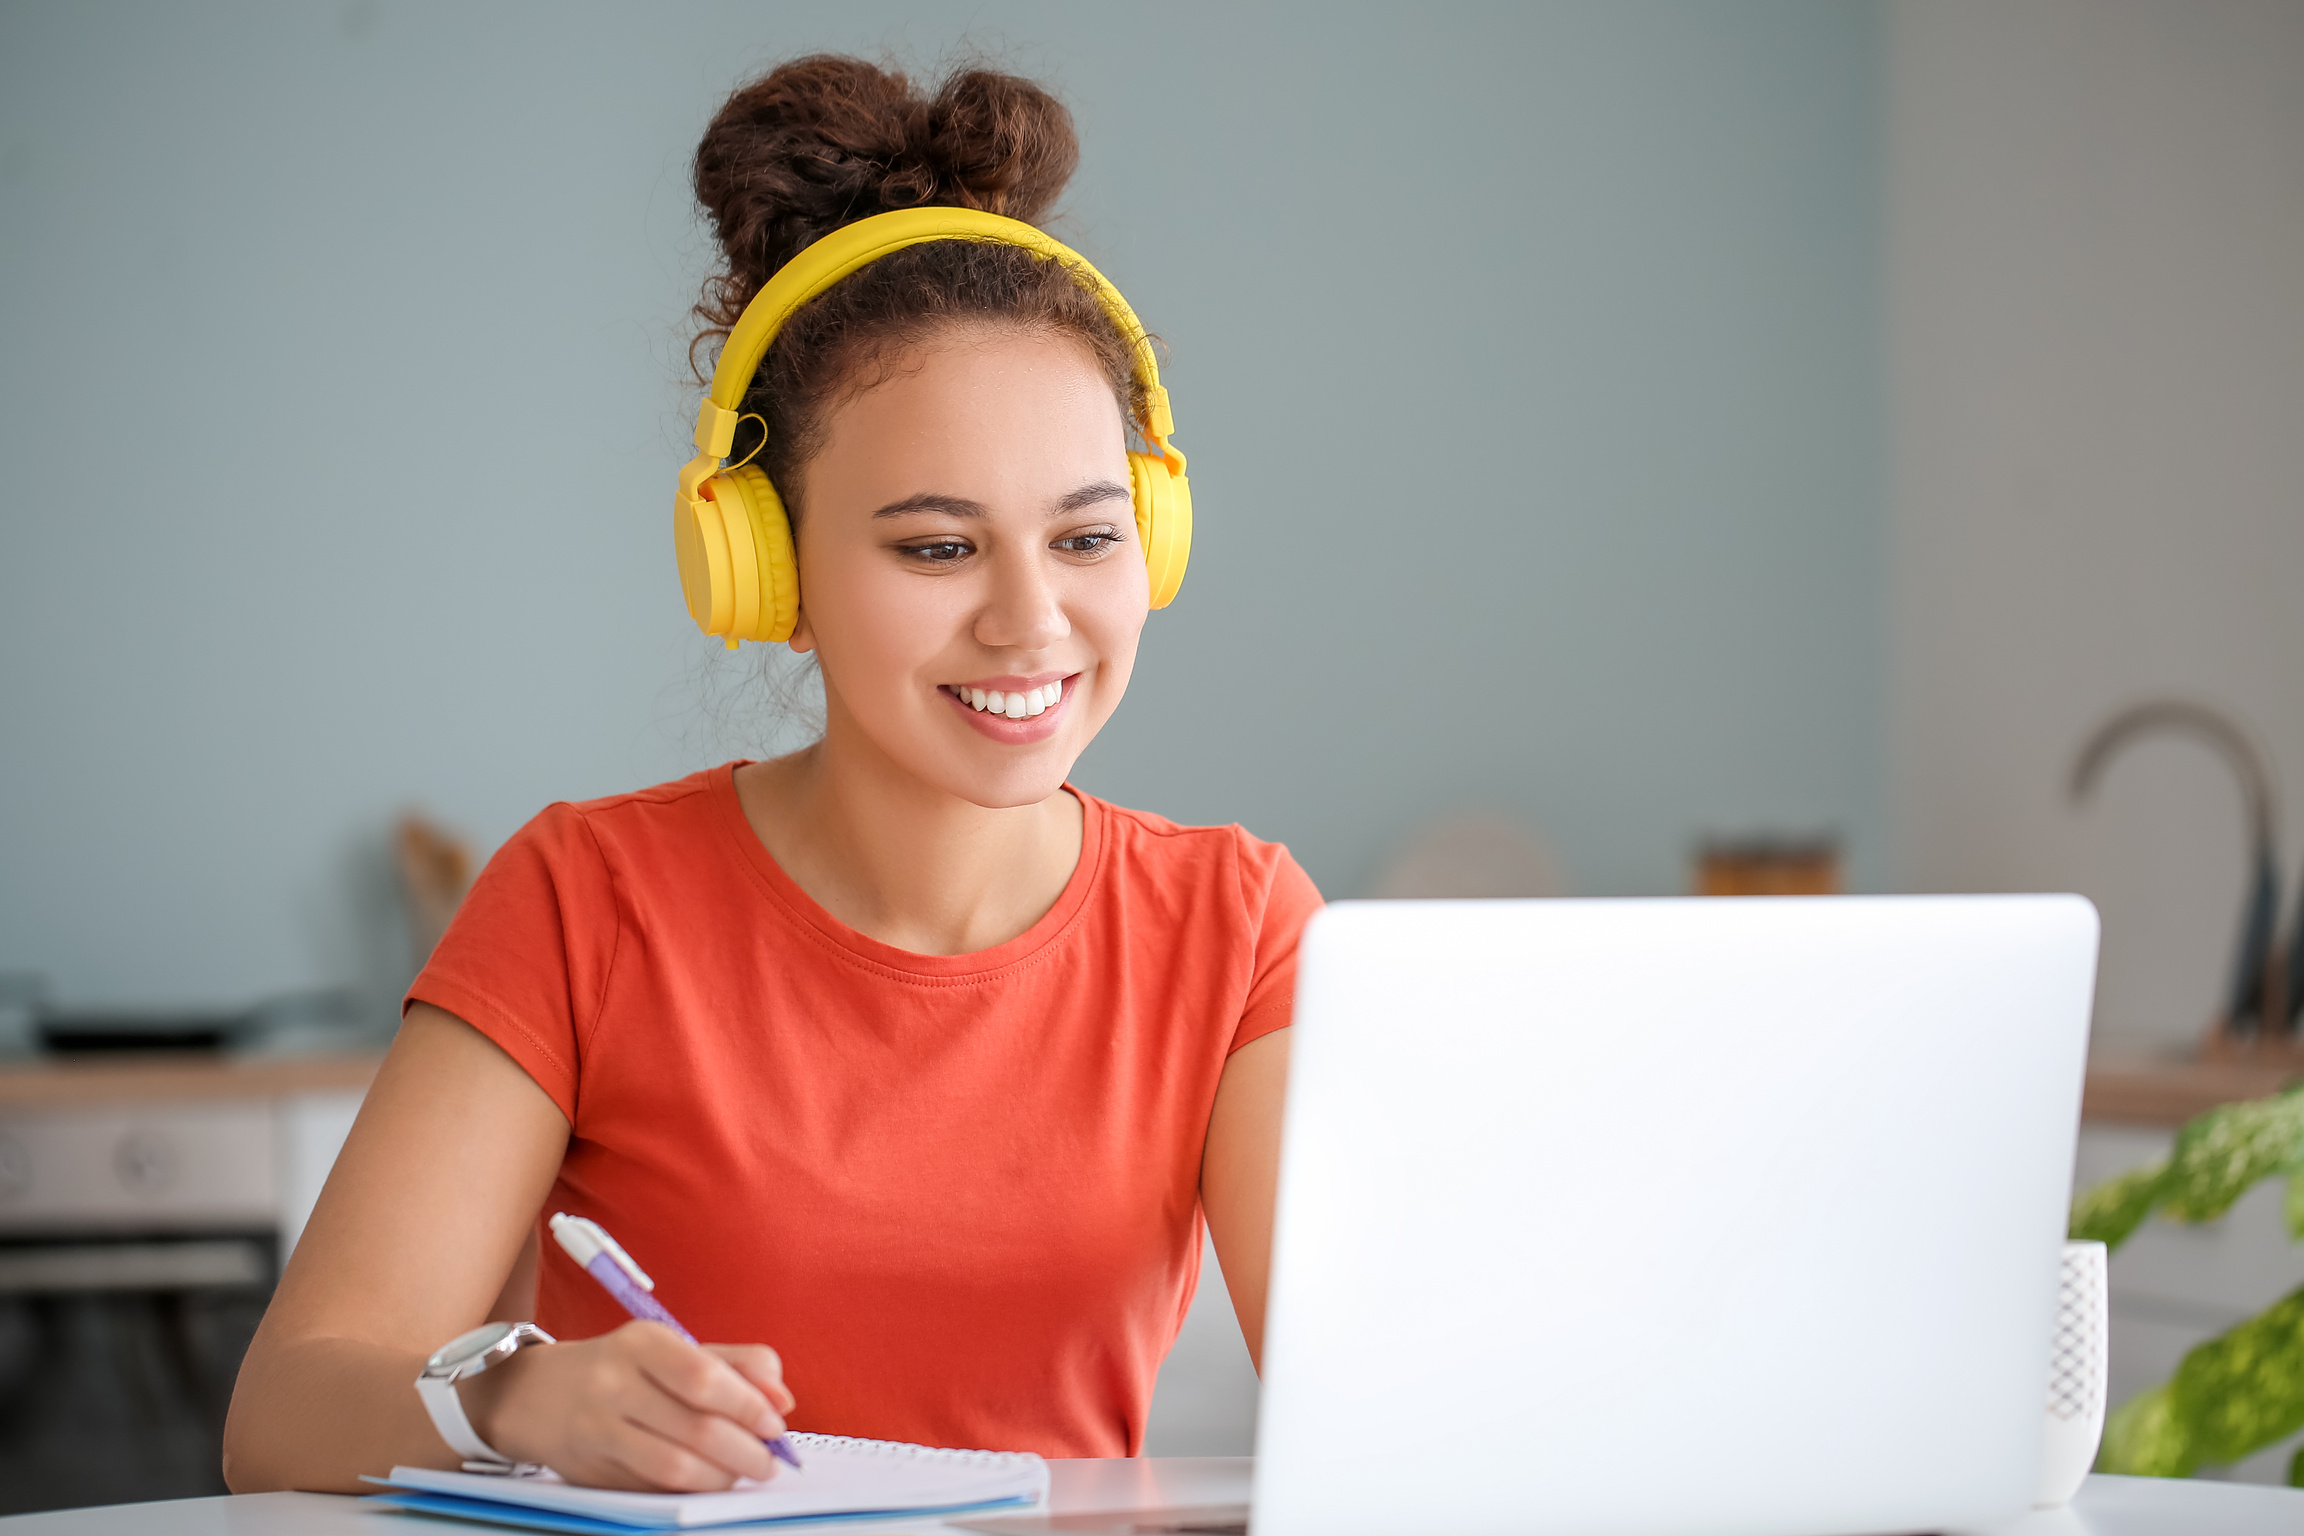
(804, 909)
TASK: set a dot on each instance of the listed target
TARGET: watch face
(469, 1346)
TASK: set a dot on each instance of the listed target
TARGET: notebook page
(841, 1475)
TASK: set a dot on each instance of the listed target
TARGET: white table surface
(2107, 1506)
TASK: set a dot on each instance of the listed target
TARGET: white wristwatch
(459, 1359)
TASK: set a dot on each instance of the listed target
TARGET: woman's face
(968, 537)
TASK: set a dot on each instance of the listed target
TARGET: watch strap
(446, 1408)
(436, 1390)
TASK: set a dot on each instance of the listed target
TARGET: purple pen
(604, 1259)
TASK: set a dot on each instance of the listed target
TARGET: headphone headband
(858, 245)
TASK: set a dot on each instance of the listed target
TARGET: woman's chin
(1014, 789)
(1027, 776)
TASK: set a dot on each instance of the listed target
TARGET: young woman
(898, 1054)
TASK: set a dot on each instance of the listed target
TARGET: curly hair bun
(826, 140)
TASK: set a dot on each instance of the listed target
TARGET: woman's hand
(637, 1408)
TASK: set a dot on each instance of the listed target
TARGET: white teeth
(1020, 705)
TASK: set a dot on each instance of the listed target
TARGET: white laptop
(1693, 1217)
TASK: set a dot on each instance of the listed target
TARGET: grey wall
(1526, 356)
(2097, 332)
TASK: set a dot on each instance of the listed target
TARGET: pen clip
(585, 1239)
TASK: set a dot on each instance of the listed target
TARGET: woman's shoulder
(676, 810)
(669, 841)
(1146, 846)
(1151, 830)
(688, 792)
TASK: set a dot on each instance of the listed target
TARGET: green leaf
(2144, 1439)
(2244, 1389)
(2224, 1153)
(2117, 1207)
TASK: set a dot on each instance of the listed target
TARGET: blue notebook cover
(528, 1517)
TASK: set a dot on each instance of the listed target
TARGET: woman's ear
(803, 639)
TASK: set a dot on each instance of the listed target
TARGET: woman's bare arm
(1240, 1175)
(427, 1229)
(413, 1239)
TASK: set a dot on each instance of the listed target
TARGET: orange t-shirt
(958, 1193)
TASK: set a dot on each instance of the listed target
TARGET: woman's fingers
(701, 1379)
(761, 1366)
(647, 1460)
(691, 1449)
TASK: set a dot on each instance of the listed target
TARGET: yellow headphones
(737, 568)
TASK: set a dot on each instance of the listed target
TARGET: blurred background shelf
(52, 1082)
(2147, 1091)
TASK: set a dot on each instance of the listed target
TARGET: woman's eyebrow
(933, 501)
(1089, 496)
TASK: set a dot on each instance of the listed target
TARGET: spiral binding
(900, 1450)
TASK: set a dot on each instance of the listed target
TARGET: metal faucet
(2257, 998)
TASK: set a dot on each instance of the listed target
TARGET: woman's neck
(902, 861)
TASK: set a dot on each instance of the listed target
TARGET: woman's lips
(1023, 711)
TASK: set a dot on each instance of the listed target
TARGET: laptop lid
(1695, 1217)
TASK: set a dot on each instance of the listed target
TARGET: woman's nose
(1024, 611)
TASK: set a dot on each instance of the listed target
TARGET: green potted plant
(2244, 1389)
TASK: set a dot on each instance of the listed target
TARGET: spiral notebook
(841, 1479)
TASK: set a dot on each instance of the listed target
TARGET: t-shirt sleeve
(1282, 898)
(527, 956)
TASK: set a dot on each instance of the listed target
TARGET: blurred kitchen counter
(2120, 1091)
(54, 1082)
(142, 1144)
(147, 1202)
(2146, 1091)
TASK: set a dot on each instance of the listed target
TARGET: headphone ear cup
(700, 540)
(1163, 522)
(748, 498)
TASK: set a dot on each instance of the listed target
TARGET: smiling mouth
(1016, 706)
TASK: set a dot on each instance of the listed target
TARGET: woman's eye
(942, 552)
(1088, 543)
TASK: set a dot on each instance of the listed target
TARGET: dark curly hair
(825, 141)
